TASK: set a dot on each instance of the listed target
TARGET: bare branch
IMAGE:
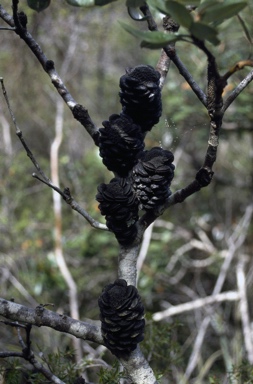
(237, 67)
(244, 309)
(236, 92)
(195, 304)
(43, 317)
(197, 347)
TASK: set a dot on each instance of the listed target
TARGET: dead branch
(43, 317)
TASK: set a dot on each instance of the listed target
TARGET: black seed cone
(119, 205)
(122, 317)
(120, 141)
(151, 177)
(140, 96)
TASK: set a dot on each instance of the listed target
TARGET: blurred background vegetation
(28, 270)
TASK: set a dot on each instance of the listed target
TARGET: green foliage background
(103, 52)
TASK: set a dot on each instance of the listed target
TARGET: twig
(7, 29)
(16, 283)
(170, 51)
(66, 195)
(197, 347)
(244, 309)
(235, 242)
(236, 92)
(237, 67)
(196, 304)
(172, 54)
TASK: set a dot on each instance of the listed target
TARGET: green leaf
(88, 3)
(205, 5)
(133, 7)
(103, 2)
(176, 10)
(152, 40)
(38, 5)
(245, 29)
(204, 32)
(135, 3)
(81, 3)
(220, 12)
(179, 13)
(189, 2)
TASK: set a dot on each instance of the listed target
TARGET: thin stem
(66, 195)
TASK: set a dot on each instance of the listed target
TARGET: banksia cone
(119, 143)
(119, 205)
(152, 176)
(122, 317)
(140, 96)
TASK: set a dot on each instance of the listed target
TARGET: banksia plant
(120, 141)
(140, 96)
(122, 317)
(119, 205)
(151, 177)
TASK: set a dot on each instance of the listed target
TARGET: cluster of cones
(142, 177)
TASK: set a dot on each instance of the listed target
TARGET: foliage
(111, 375)
(60, 363)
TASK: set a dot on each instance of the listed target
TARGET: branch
(66, 195)
(236, 92)
(195, 304)
(28, 354)
(244, 309)
(43, 317)
(79, 112)
(237, 67)
(170, 51)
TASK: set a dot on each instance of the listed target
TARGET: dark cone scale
(119, 143)
(119, 205)
(140, 96)
(122, 317)
(151, 177)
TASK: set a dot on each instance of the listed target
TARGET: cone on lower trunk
(122, 317)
